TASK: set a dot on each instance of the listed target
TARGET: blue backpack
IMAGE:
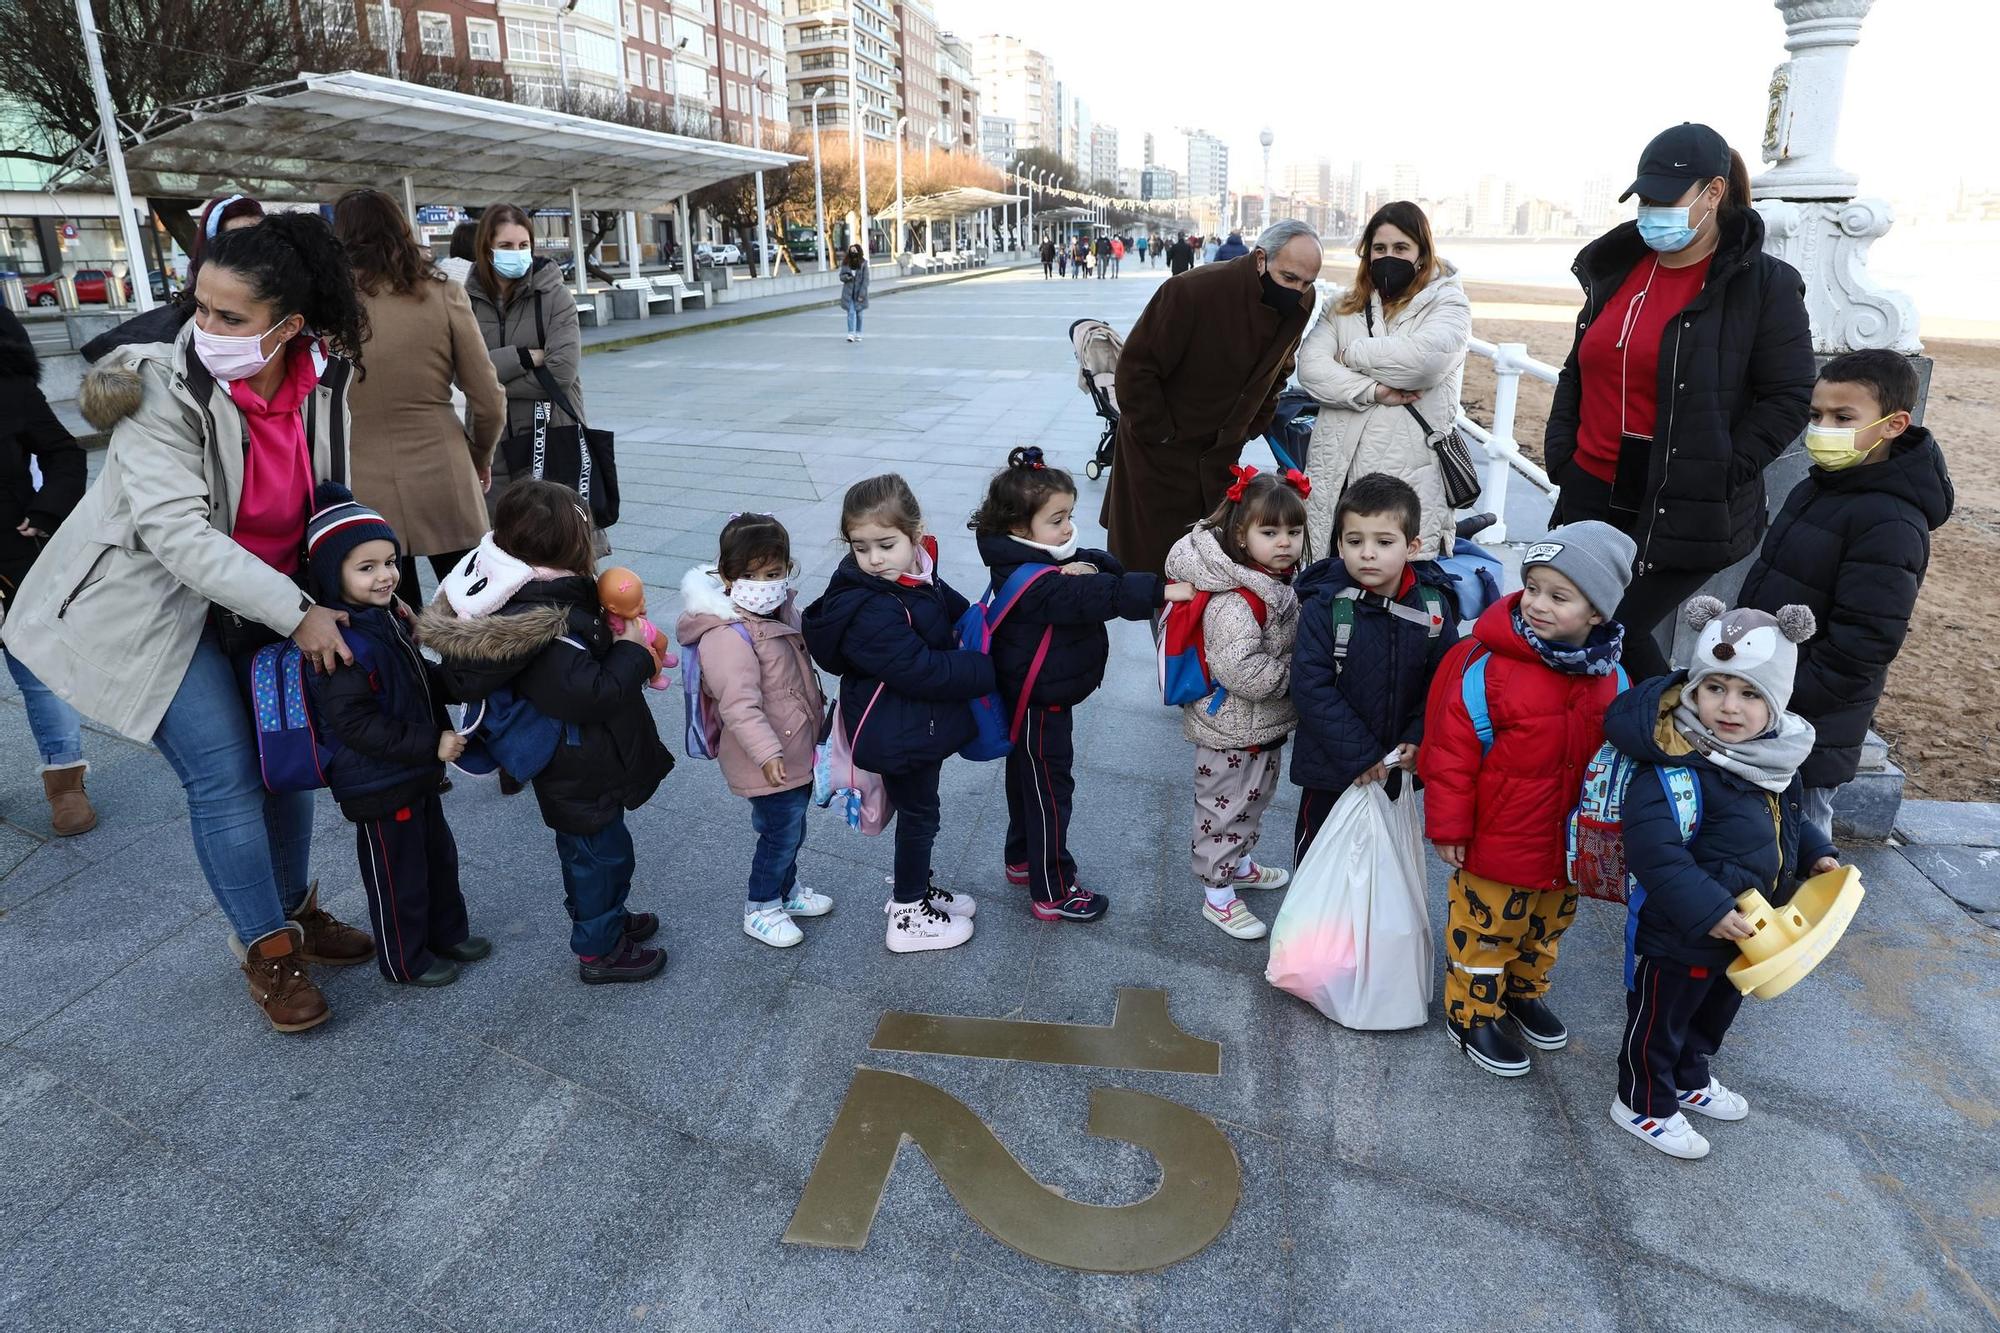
(704, 724)
(290, 750)
(994, 738)
(1475, 573)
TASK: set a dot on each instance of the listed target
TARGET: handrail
(1503, 453)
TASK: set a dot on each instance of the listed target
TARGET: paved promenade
(520, 1152)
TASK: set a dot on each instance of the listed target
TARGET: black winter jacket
(387, 712)
(1074, 607)
(1735, 386)
(1347, 723)
(870, 632)
(610, 757)
(1744, 838)
(29, 430)
(1852, 545)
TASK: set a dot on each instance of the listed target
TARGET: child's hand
(1735, 926)
(1826, 865)
(1180, 592)
(774, 771)
(1406, 757)
(1451, 853)
(1374, 775)
(1079, 567)
(635, 632)
(450, 746)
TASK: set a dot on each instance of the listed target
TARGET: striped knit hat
(339, 523)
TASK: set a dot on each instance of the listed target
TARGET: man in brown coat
(1199, 377)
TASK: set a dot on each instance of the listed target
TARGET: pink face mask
(233, 358)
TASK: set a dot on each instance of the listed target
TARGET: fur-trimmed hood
(508, 636)
(702, 595)
(114, 387)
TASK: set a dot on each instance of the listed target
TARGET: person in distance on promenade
(1180, 256)
(853, 290)
(1048, 258)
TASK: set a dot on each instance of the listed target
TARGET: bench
(593, 309)
(673, 287)
(634, 298)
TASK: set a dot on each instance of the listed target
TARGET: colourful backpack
(704, 723)
(1183, 651)
(995, 735)
(290, 750)
(1596, 843)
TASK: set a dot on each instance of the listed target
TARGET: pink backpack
(857, 793)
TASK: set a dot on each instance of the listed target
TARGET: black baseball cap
(1677, 158)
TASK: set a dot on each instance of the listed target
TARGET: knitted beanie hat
(1753, 645)
(1595, 556)
(338, 524)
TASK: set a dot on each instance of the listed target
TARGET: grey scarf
(1770, 760)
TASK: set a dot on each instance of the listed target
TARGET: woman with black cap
(1691, 372)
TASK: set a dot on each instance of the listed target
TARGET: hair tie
(1299, 482)
(1242, 472)
(1027, 456)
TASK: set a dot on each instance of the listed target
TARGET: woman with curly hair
(185, 557)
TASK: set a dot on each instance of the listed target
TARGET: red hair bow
(1242, 472)
(1299, 482)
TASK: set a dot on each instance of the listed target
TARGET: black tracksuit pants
(1675, 1017)
(409, 866)
(1041, 786)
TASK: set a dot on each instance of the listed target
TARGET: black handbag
(1448, 448)
(579, 458)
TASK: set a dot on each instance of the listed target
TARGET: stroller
(1291, 429)
(1097, 347)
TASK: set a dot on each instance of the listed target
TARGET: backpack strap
(1343, 625)
(1683, 790)
(1257, 607)
(1000, 601)
(1028, 684)
(1472, 691)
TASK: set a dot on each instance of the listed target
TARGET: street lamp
(1265, 139)
(819, 193)
(762, 266)
(562, 47)
(902, 124)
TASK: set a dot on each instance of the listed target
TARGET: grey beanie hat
(1595, 556)
(1753, 645)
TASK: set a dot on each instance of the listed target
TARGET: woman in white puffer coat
(1393, 340)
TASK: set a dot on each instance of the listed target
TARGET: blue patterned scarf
(1598, 655)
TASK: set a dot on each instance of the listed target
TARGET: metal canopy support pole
(410, 209)
(632, 234)
(576, 240)
(114, 156)
(760, 265)
(687, 239)
(822, 240)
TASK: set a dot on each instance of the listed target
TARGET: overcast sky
(1546, 92)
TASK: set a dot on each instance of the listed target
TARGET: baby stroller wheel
(1093, 469)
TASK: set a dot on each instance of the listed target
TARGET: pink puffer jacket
(765, 691)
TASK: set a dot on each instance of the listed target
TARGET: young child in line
(386, 711)
(887, 626)
(521, 611)
(1360, 694)
(1515, 714)
(1054, 632)
(1722, 721)
(740, 616)
(1852, 545)
(1245, 550)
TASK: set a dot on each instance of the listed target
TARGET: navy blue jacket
(1233, 248)
(1075, 607)
(1347, 724)
(870, 632)
(1685, 888)
(386, 711)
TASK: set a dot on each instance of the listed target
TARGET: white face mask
(759, 596)
(1057, 553)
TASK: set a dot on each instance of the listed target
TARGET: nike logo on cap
(1680, 164)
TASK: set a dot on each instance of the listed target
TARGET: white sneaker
(915, 927)
(1672, 1135)
(951, 904)
(773, 927)
(1235, 919)
(804, 902)
(1715, 1101)
(1250, 875)
(850, 337)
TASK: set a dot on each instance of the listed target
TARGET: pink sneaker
(1017, 874)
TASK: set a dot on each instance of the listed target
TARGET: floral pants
(1231, 789)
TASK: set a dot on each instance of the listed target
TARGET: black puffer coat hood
(1854, 546)
(30, 432)
(1073, 607)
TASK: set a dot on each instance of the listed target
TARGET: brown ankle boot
(327, 940)
(281, 986)
(69, 808)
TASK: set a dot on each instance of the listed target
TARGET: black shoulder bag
(580, 459)
(1448, 448)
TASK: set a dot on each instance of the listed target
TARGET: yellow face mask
(1834, 447)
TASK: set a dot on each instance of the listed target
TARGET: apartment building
(821, 38)
(1018, 83)
(958, 97)
(996, 139)
(917, 71)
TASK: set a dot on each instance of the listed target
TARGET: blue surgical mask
(513, 264)
(1666, 228)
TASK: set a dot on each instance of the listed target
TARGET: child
(1515, 714)
(1360, 694)
(1852, 545)
(1057, 622)
(886, 625)
(1723, 721)
(521, 611)
(739, 614)
(1245, 549)
(387, 713)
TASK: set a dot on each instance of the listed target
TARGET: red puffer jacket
(1509, 805)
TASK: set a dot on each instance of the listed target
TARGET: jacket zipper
(89, 575)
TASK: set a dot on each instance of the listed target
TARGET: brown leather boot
(281, 986)
(69, 808)
(327, 940)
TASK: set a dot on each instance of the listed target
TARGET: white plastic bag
(1353, 938)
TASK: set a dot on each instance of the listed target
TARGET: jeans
(780, 821)
(597, 878)
(915, 797)
(255, 846)
(853, 317)
(58, 728)
(1816, 809)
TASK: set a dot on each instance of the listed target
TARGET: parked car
(90, 288)
(707, 254)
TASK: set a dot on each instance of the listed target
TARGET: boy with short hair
(1515, 714)
(1852, 543)
(1374, 622)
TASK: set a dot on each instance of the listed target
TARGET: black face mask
(1284, 300)
(1391, 276)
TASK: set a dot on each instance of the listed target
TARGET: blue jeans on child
(58, 728)
(915, 798)
(597, 878)
(254, 846)
(853, 317)
(780, 821)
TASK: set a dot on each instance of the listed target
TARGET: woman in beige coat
(413, 460)
(1394, 340)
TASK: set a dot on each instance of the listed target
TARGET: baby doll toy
(623, 594)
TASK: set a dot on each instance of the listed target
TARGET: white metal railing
(1503, 452)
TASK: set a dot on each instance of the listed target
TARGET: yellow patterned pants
(1500, 941)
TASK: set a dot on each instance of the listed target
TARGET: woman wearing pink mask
(184, 557)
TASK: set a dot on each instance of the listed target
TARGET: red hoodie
(1509, 805)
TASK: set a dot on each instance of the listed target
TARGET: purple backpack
(290, 750)
(704, 724)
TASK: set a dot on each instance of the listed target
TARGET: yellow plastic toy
(1791, 940)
